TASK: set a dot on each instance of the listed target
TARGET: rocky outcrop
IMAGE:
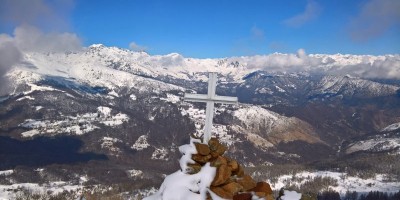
(230, 181)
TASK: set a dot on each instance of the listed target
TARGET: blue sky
(223, 28)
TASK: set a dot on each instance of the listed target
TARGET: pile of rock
(230, 181)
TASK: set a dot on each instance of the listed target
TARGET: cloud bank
(365, 66)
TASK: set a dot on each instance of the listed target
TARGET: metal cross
(210, 98)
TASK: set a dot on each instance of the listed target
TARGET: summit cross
(210, 98)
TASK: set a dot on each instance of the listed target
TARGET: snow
(375, 144)
(160, 154)
(198, 117)
(78, 125)
(391, 127)
(279, 89)
(30, 133)
(171, 98)
(134, 173)
(6, 172)
(12, 191)
(141, 143)
(344, 181)
(34, 87)
(38, 108)
(26, 97)
(133, 97)
(291, 195)
(183, 186)
(113, 93)
(108, 143)
(254, 112)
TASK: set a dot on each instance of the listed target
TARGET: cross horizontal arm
(215, 99)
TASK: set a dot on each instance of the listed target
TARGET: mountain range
(105, 112)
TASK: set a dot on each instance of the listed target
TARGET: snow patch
(26, 97)
(391, 127)
(160, 154)
(6, 172)
(13, 191)
(344, 182)
(375, 145)
(171, 98)
(133, 97)
(78, 125)
(108, 143)
(291, 195)
(134, 173)
(141, 143)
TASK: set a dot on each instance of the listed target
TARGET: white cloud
(374, 19)
(135, 47)
(9, 55)
(29, 38)
(365, 66)
(312, 11)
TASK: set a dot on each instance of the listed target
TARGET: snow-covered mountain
(124, 109)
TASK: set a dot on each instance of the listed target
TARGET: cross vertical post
(210, 99)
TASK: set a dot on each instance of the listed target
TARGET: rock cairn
(230, 182)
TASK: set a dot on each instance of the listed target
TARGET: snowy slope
(378, 144)
(344, 182)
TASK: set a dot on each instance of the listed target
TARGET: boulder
(201, 159)
(220, 160)
(202, 149)
(222, 175)
(247, 182)
(262, 187)
(239, 172)
(233, 164)
(194, 168)
(220, 149)
(221, 192)
(232, 188)
(242, 196)
(213, 143)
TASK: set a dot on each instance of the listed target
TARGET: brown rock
(239, 172)
(219, 161)
(243, 196)
(262, 187)
(232, 187)
(233, 164)
(201, 159)
(193, 168)
(213, 143)
(220, 149)
(247, 182)
(214, 154)
(222, 175)
(221, 192)
(202, 149)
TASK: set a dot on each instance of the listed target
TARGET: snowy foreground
(182, 186)
(182, 182)
(13, 191)
(344, 182)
